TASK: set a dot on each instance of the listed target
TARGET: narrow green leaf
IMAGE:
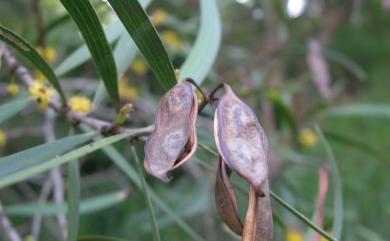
(204, 52)
(23, 47)
(44, 165)
(338, 193)
(73, 200)
(113, 31)
(126, 168)
(85, 17)
(99, 238)
(11, 108)
(146, 38)
(124, 53)
(145, 192)
(360, 110)
(82, 54)
(87, 205)
(35, 155)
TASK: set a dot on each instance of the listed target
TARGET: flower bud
(173, 140)
(240, 140)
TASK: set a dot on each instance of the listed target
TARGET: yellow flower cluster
(159, 17)
(3, 138)
(13, 89)
(41, 93)
(307, 138)
(126, 91)
(139, 67)
(47, 53)
(171, 39)
(293, 235)
(80, 104)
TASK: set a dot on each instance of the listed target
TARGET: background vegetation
(315, 72)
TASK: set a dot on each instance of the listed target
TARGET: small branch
(73, 117)
(7, 227)
(55, 173)
(37, 219)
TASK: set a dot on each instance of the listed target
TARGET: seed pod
(258, 222)
(225, 199)
(173, 140)
(240, 139)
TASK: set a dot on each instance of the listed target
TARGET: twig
(55, 173)
(37, 219)
(56, 105)
(41, 39)
(7, 227)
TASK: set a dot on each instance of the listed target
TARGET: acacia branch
(73, 117)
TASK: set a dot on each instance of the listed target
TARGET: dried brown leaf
(241, 140)
(225, 200)
(173, 140)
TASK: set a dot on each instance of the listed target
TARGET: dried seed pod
(225, 200)
(258, 221)
(240, 139)
(173, 140)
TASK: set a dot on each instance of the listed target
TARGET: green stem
(145, 192)
(296, 213)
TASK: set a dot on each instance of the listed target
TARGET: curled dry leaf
(240, 139)
(225, 200)
(258, 222)
(173, 140)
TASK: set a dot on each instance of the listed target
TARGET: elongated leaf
(11, 108)
(124, 53)
(82, 54)
(87, 21)
(73, 200)
(32, 156)
(126, 168)
(32, 55)
(204, 52)
(146, 38)
(113, 31)
(338, 194)
(28, 171)
(87, 205)
(361, 110)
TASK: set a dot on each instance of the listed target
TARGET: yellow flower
(3, 138)
(139, 67)
(13, 89)
(307, 138)
(29, 238)
(126, 91)
(80, 104)
(47, 53)
(38, 76)
(41, 93)
(159, 17)
(273, 94)
(293, 235)
(171, 38)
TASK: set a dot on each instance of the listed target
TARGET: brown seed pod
(173, 140)
(258, 221)
(225, 200)
(240, 139)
